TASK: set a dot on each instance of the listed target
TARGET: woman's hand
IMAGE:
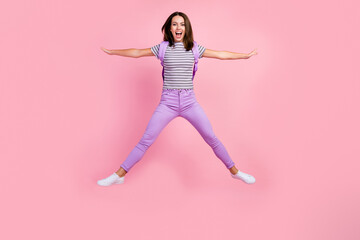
(254, 52)
(106, 50)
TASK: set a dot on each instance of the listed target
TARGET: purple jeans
(175, 103)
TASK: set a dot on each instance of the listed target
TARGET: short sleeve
(201, 50)
(155, 50)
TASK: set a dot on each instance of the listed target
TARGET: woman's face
(178, 26)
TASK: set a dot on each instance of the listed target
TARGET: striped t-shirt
(178, 65)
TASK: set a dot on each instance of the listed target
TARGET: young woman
(178, 97)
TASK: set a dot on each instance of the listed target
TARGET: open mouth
(178, 34)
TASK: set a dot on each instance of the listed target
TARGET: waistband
(178, 89)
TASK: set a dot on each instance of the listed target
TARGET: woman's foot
(112, 179)
(244, 177)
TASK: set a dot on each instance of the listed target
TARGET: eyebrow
(176, 22)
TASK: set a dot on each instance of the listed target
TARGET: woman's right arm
(131, 52)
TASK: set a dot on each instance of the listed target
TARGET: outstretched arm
(131, 52)
(224, 55)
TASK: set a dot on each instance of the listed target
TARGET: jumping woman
(179, 54)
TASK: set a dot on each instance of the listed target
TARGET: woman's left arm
(224, 55)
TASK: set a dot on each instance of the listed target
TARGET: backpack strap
(162, 50)
(195, 51)
(161, 54)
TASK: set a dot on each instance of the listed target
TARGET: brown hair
(188, 37)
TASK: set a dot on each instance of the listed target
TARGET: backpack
(162, 50)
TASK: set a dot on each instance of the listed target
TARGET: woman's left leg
(197, 117)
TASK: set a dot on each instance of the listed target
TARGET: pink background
(70, 114)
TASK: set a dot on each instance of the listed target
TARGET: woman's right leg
(160, 118)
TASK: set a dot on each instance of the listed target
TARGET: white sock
(113, 178)
(244, 177)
